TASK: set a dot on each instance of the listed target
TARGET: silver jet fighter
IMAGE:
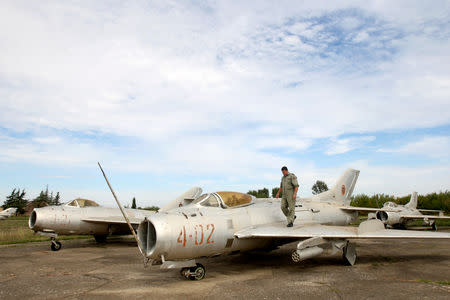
(82, 216)
(9, 212)
(230, 222)
(86, 217)
(400, 216)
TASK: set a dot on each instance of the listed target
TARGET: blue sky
(221, 94)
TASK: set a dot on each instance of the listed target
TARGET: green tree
(437, 201)
(263, 193)
(41, 200)
(133, 204)
(153, 208)
(252, 192)
(45, 198)
(275, 191)
(319, 187)
(16, 199)
(56, 199)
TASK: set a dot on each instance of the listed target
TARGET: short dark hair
(284, 168)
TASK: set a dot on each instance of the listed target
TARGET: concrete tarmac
(82, 269)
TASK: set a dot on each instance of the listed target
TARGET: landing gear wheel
(197, 273)
(100, 238)
(185, 272)
(349, 254)
(55, 246)
(434, 226)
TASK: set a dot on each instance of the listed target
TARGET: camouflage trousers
(288, 207)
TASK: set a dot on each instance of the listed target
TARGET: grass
(15, 230)
(445, 282)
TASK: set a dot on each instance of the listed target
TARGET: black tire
(100, 238)
(199, 272)
(434, 226)
(183, 272)
(55, 246)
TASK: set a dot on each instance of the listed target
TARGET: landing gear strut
(434, 226)
(100, 238)
(55, 245)
(194, 273)
(349, 254)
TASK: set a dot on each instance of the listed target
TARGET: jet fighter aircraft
(9, 212)
(399, 216)
(82, 216)
(229, 222)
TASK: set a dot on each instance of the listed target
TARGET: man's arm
(278, 194)
(295, 184)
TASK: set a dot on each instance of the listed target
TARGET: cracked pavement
(83, 269)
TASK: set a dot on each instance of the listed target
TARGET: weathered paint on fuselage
(196, 231)
(69, 220)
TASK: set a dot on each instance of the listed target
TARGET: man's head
(284, 170)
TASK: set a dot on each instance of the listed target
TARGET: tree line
(437, 201)
(17, 199)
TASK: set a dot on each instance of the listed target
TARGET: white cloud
(127, 70)
(343, 145)
(361, 36)
(430, 146)
(204, 87)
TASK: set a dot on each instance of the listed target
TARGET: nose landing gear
(194, 273)
(55, 245)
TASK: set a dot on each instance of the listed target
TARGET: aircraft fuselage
(195, 231)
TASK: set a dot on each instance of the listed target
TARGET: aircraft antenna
(123, 213)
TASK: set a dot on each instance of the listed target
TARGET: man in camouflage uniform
(288, 190)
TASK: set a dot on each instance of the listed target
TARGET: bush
(438, 201)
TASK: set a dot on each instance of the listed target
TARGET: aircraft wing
(367, 209)
(113, 220)
(441, 213)
(429, 217)
(371, 229)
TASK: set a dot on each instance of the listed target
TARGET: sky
(221, 94)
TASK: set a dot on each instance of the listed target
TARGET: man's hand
(278, 193)
(295, 193)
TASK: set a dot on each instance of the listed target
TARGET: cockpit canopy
(224, 199)
(82, 203)
(390, 204)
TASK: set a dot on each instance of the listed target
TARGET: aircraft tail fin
(413, 202)
(344, 186)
